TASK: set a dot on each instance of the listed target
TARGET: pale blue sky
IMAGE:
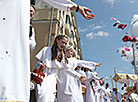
(100, 40)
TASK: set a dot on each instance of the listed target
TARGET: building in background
(48, 22)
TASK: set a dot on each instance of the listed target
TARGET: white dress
(14, 50)
(67, 78)
(108, 97)
(32, 41)
(90, 92)
(48, 86)
(69, 87)
(100, 93)
(114, 97)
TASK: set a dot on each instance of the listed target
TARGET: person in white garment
(14, 44)
(70, 89)
(116, 96)
(108, 97)
(101, 92)
(81, 71)
(134, 97)
(68, 5)
(32, 41)
(55, 60)
(14, 53)
(90, 92)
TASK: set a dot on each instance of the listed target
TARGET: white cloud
(91, 35)
(120, 71)
(90, 27)
(97, 27)
(82, 30)
(133, 1)
(111, 2)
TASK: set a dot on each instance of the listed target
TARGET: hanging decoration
(120, 25)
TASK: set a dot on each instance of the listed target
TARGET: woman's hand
(98, 64)
(86, 12)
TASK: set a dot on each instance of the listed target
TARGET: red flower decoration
(134, 39)
(115, 24)
(122, 26)
(126, 38)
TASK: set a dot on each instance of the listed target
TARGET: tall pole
(133, 48)
(50, 25)
(134, 57)
(116, 86)
(112, 81)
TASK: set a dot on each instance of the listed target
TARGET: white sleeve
(103, 89)
(94, 77)
(32, 41)
(69, 68)
(61, 4)
(73, 73)
(83, 63)
(87, 64)
(41, 53)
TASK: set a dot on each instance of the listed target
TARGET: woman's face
(61, 43)
(70, 53)
(32, 11)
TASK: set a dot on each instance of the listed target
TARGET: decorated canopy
(125, 78)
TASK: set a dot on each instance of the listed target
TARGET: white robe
(100, 93)
(61, 4)
(66, 76)
(32, 41)
(69, 88)
(108, 97)
(48, 87)
(90, 93)
(14, 50)
(114, 97)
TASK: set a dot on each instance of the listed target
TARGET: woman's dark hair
(106, 85)
(33, 7)
(54, 49)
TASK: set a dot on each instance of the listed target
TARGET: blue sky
(100, 40)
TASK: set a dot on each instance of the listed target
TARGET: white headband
(68, 47)
(61, 35)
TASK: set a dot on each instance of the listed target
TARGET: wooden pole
(112, 81)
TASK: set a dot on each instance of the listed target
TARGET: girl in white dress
(69, 88)
(55, 59)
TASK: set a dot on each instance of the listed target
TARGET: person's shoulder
(72, 59)
(46, 48)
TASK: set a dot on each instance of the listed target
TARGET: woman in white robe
(108, 97)
(54, 58)
(116, 96)
(90, 92)
(14, 50)
(69, 88)
(100, 91)
(32, 41)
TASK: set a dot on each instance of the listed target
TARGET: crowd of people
(73, 80)
(67, 79)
